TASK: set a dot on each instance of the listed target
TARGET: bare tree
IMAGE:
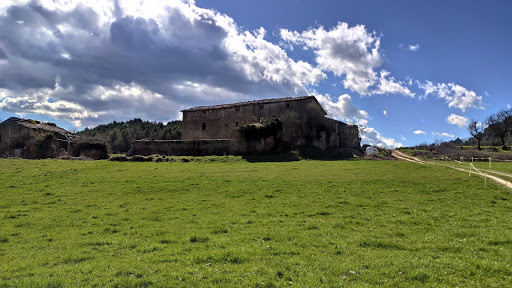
(476, 130)
(500, 124)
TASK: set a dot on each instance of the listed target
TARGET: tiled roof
(41, 125)
(262, 101)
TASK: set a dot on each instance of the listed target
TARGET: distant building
(32, 139)
(216, 129)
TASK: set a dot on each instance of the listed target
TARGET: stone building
(215, 129)
(304, 122)
(32, 139)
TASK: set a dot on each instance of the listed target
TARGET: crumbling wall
(237, 146)
(222, 123)
(183, 148)
(32, 139)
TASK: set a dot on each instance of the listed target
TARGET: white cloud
(385, 113)
(419, 132)
(508, 106)
(403, 138)
(414, 47)
(391, 86)
(455, 95)
(343, 109)
(444, 134)
(371, 136)
(460, 121)
(103, 104)
(346, 51)
(167, 55)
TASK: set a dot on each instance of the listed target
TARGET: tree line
(497, 126)
(119, 135)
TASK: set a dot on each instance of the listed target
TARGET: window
(236, 124)
(261, 107)
(204, 111)
(203, 127)
(261, 119)
(287, 105)
(237, 108)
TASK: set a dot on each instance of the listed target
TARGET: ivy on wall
(268, 128)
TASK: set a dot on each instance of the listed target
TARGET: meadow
(234, 223)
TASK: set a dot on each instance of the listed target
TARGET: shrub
(269, 128)
(44, 141)
(92, 145)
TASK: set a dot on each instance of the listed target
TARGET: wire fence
(446, 161)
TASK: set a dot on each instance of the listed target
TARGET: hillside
(119, 135)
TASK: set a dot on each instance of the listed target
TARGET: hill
(119, 135)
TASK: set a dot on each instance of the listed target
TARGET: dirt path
(405, 157)
(497, 172)
(402, 156)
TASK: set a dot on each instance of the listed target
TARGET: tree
(500, 124)
(476, 129)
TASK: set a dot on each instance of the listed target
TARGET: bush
(269, 128)
(92, 145)
(44, 141)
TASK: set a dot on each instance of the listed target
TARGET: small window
(237, 108)
(236, 124)
(261, 119)
(203, 127)
(287, 105)
(226, 124)
(261, 107)
(204, 111)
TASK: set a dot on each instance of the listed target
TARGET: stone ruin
(32, 139)
(216, 130)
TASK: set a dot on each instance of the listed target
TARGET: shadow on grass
(282, 157)
(306, 153)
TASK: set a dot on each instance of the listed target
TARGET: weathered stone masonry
(304, 123)
(26, 138)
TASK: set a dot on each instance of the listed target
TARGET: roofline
(246, 103)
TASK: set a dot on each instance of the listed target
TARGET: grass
(498, 166)
(304, 223)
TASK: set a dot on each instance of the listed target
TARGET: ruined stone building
(304, 122)
(32, 139)
(216, 129)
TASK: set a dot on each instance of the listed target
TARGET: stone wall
(18, 139)
(181, 148)
(222, 123)
(201, 147)
(213, 130)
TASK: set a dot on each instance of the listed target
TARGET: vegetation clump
(44, 141)
(268, 128)
(120, 135)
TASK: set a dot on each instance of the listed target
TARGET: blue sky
(408, 72)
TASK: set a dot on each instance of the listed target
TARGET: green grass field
(307, 223)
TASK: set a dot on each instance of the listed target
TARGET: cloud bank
(89, 64)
